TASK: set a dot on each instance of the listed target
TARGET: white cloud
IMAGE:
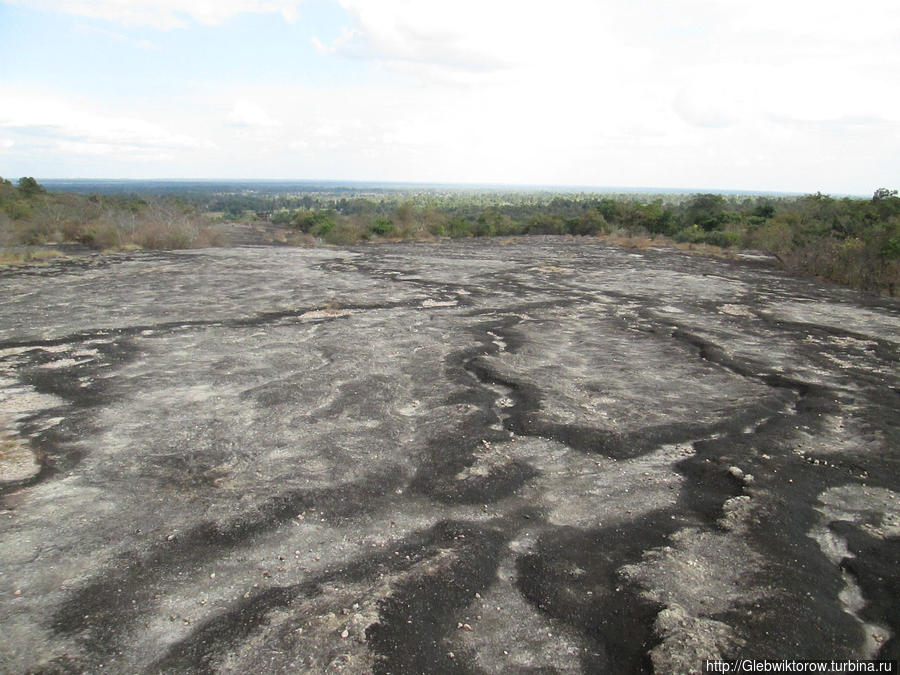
(464, 39)
(706, 107)
(165, 14)
(778, 94)
(74, 128)
(248, 115)
(117, 37)
(716, 92)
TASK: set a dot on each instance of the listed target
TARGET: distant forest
(852, 241)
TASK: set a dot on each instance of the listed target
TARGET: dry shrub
(7, 231)
(72, 231)
(300, 239)
(774, 236)
(44, 254)
(638, 242)
(343, 233)
(851, 261)
(707, 250)
(33, 233)
(11, 257)
(890, 278)
(208, 237)
(168, 226)
(164, 235)
(103, 234)
(412, 228)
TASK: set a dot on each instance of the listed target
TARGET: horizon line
(452, 184)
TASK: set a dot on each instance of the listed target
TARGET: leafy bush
(382, 227)
(17, 209)
(696, 235)
(317, 222)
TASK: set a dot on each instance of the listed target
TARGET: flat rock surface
(530, 455)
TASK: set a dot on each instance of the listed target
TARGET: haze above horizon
(777, 96)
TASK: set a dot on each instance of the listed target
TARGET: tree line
(852, 241)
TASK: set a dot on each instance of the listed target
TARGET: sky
(769, 95)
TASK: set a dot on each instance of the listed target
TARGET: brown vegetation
(34, 217)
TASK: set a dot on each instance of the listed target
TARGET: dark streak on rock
(572, 577)
(413, 620)
(875, 564)
(100, 610)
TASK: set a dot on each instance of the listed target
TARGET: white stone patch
(439, 303)
(56, 349)
(19, 402)
(842, 341)
(17, 460)
(506, 634)
(324, 314)
(500, 342)
(736, 310)
(840, 363)
(62, 363)
(858, 504)
(14, 351)
(702, 572)
(841, 316)
(414, 408)
(52, 422)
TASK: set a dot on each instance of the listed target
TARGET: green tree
(764, 210)
(316, 222)
(708, 211)
(29, 187)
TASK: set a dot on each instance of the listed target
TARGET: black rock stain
(800, 580)
(102, 610)
(414, 620)
(573, 578)
(874, 564)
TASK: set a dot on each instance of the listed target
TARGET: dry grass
(636, 242)
(707, 250)
(642, 242)
(10, 257)
(108, 225)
